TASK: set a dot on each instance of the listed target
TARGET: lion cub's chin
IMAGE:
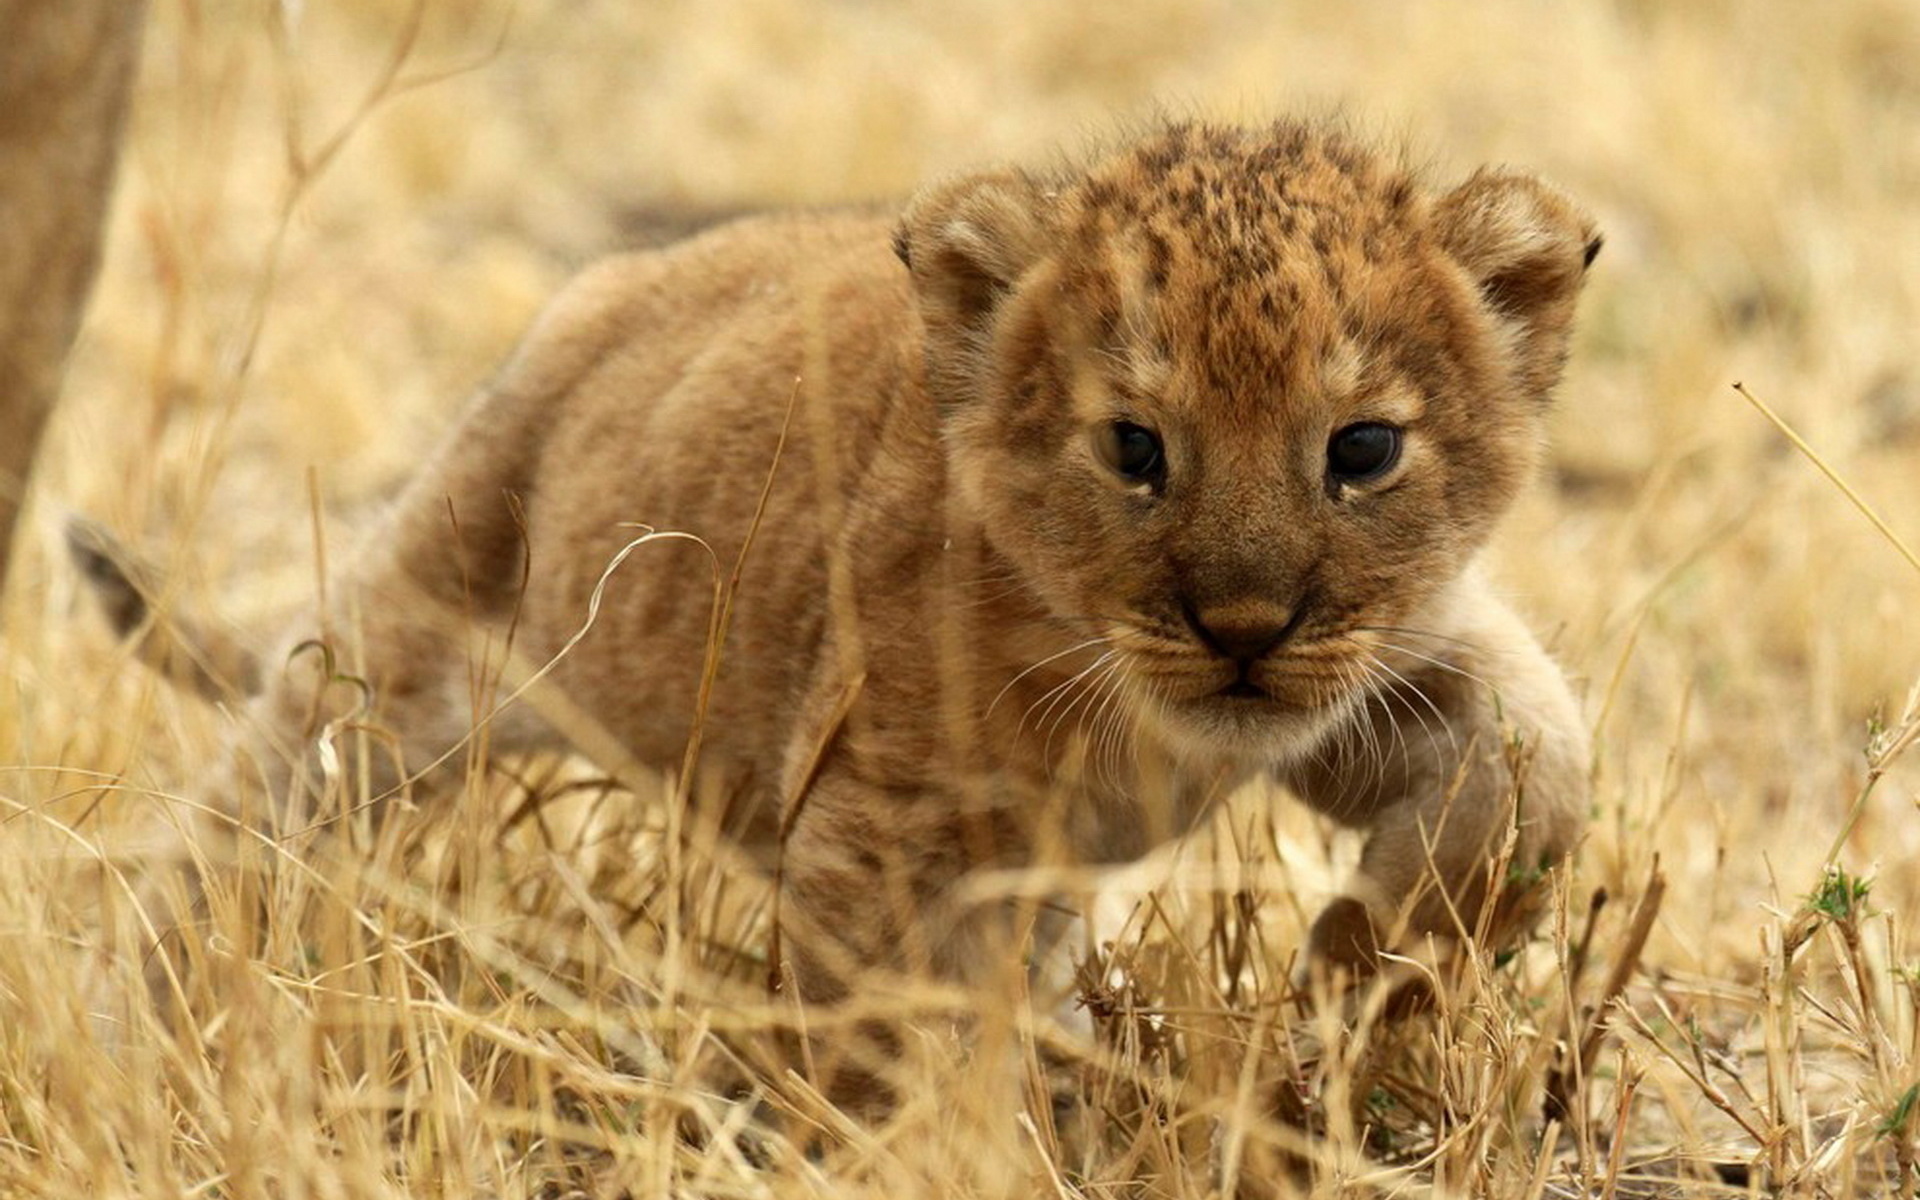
(1257, 730)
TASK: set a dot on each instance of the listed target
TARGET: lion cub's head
(1241, 400)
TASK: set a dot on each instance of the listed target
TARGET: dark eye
(1363, 451)
(1132, 451)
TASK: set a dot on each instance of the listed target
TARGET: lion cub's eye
(1363, 451)
(1130, 450)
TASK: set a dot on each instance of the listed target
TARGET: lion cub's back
(684, 362)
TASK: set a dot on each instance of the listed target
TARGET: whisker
(1003, 594)
(1346, 750)
(1053, 697)
(1373, 754)
(1152, 700)
(1409, 685)
(1377, 752)
(1444, 665)
(1108, 664)
(1381, 753)
(1109, 729)
(1090, 642)
(1421, 633)
(1088, 723)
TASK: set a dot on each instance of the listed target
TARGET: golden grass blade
(1833, 476)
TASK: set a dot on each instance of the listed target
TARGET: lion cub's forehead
(1257, 263)
(1193, 175)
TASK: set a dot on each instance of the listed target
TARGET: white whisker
(1438, 662)
(1061, 692)
(1409, 685)
(1001, 695)
(1109, 729)
(1087, 728)
(1106, 665)
(1376, 752)
(1421, 633)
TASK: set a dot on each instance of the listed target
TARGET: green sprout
(1840, 895)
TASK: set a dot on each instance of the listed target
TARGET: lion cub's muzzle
(1243, 632)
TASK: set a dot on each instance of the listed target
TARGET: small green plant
(1840, 896)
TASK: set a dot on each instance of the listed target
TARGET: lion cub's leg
(1471, 732)
(878, 924)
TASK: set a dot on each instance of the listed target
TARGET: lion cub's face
(1240, 402)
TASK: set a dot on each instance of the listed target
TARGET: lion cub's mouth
(1244, 689)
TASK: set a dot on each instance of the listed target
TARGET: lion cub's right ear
(967, 243)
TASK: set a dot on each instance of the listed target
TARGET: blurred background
(308, 269)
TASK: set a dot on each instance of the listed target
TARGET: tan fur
(1019, 627)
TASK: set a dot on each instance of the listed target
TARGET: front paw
(1344, 936)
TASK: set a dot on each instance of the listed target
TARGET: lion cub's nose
(1242, 630)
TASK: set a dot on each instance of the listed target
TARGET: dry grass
(312, 258)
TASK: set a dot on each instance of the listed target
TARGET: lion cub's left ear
(1528, 247)
(967, 243)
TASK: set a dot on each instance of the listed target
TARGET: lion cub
(1103, 490)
